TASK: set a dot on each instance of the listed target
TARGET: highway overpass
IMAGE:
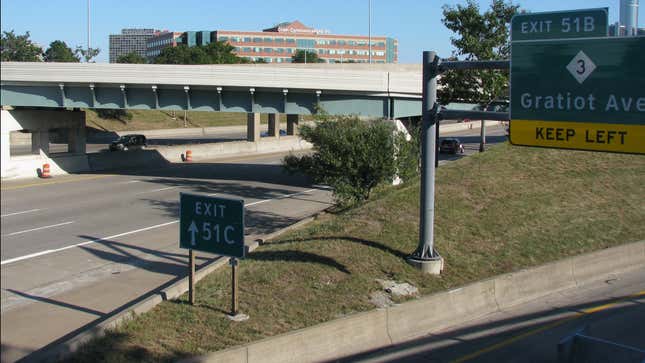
(391, 91)
(39, 97)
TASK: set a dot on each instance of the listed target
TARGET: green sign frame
(584, 23)
(214, 225)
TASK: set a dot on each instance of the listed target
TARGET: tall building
(279, 43)
(130, 40)
(164, 39)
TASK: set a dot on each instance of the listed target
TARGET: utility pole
(369, 30)
(88, 26)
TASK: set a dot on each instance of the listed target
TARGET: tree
(87, 53)
(478, 37)
(19, 48)
(302, 56)
(354, 156)
(222, 53)
(132, 57)
(213, 53)
(58, 51)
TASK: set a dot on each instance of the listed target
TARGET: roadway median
(502, 213)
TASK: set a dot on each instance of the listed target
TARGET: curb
(381, 328)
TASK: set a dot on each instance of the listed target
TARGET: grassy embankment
(153, 120)
(496, 212)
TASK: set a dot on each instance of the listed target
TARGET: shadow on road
(56, 302)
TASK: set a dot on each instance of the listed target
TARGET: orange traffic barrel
(189, 156)
(45, 173)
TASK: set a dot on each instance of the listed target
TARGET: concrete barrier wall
(26, 166)
(429, 314)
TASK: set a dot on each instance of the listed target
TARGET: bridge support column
(274, 124)
(253, 127)
(76, 142)
(40, 141)
(5, 149)
(292, 124)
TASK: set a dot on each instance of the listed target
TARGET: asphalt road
(94, 146)
(77, 248)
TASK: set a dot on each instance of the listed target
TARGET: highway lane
(93, 145)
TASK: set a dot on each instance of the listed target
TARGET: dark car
(451, 146)
(129, 142)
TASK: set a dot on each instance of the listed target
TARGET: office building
(130, 40)
(279, 43)
(164, 39)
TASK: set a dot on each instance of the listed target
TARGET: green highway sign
(584, 94)
(560, 24)
(214, 225)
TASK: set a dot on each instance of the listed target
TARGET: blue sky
(415, 23)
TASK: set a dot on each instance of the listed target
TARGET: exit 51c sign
(214, 225)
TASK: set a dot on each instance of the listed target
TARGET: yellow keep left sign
(579, 135)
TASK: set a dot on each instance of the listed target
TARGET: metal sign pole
(234, 306)
(428, 151)
(191, 276)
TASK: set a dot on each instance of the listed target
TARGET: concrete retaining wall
(26, 166)
(383, 327)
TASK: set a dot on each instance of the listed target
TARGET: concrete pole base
(431, 266)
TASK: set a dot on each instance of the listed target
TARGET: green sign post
(560, 24)
(214, 225)
(585, 93)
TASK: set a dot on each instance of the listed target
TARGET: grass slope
(496, 212)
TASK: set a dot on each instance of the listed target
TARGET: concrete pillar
(253, 127)
(76, 142)
(274, 124)
(40, 141)
(292, 124)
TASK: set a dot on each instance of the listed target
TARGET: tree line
(19, 48)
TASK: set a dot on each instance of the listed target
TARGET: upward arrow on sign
(192, 229)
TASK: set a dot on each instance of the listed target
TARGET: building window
(268, 40)
(247, 39)
(279, 40)
(257, 40)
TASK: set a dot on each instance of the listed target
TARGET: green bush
(354, 156)
(116, 114)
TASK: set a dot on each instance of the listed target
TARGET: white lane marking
(39, 228)
(278, 198)
(23, 212)
(158, 190)
(46, 252)
(131, 182)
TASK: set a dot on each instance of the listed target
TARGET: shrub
(354, 156)
(116, 114)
